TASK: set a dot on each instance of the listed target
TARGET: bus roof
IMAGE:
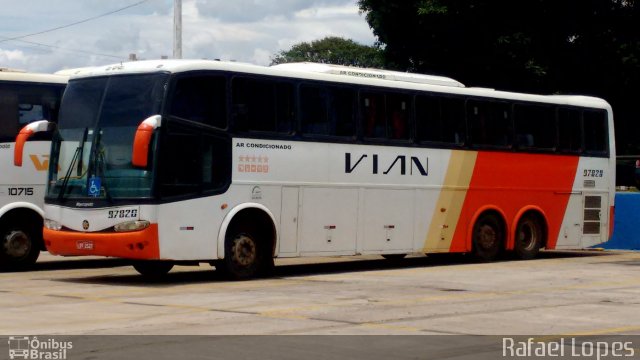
(20, 76)
(74, 71)
(369, 73)
(337, 74)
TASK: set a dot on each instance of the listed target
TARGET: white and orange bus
(204, 161)
(24, 98)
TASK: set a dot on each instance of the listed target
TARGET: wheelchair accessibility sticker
(94, 186)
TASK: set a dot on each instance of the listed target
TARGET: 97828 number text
(123, 214)
(593, 173)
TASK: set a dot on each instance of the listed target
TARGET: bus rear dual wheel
(529, 239)
(489, 237)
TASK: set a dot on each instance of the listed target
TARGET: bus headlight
(52, 225)
(131, 226)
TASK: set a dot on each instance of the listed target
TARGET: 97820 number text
(123, 214)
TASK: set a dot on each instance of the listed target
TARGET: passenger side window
(373, 112)
(201, 99)
(595, 131)
(569, 130)
(21, 104)
(327, 110)
(314, 110)
(490, 123)
(28, 113)
(399, 107)
(9, 120)
(342, 112)
(440, 120)
(535, 126)
(262, 105)
(386, 116)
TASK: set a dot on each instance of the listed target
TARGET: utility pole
(177, 29)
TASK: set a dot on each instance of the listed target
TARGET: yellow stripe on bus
(449, 205)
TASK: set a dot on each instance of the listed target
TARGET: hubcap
(486, 236)
(244, 250)
(16, 244)
(528, 235)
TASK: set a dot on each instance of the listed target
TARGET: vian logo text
(398, 165)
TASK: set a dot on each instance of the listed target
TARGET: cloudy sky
(243, 30)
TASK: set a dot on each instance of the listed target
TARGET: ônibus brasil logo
(30, 348)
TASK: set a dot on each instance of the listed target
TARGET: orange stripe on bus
(141, 244)
(509, 183)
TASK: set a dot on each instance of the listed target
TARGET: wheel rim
(486, 236)
(244, 250)
(16, 244)
(528, 235)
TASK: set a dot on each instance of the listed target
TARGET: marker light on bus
(131, 226)
(24, 135)
(52, 225)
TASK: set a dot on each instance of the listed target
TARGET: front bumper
(141, 244)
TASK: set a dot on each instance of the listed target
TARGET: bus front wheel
(488, 237)
(245, 256)
(19, 247)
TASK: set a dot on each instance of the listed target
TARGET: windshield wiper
(80, 150)
(77, 154)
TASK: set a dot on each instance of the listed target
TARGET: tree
(549, 46)
(332, 50)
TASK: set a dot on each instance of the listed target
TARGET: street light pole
(177, 29)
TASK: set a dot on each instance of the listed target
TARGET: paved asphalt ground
(560, 294)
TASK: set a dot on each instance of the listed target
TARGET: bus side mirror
(142, 140)
(25, 133)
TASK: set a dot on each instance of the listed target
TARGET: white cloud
(261, 56)
(243, 30)
(332, 12)
(16, 56)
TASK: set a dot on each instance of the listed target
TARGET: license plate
(84, 245)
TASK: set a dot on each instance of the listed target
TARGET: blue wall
(626, 230)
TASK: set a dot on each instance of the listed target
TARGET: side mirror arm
(25, 133)
(142, 140)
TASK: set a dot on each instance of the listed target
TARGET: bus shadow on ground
(75, 264)
(178, 278)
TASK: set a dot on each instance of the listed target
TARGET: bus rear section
(25, 99)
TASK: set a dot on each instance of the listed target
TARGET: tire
(529, 237)
(20, 245)
(245, 255)
(488, 237)
(153, 269)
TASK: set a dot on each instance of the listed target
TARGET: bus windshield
(91, 151)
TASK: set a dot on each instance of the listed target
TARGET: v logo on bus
(400, 161)
(40, 165)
